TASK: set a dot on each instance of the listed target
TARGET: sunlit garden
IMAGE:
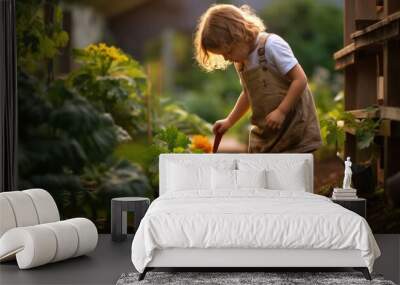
(94, 131)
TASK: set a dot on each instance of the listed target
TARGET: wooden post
(350, 104)
(365, 9)
(349, 21)
(391, 71)
(391, 6)
(379, 79)
(366, 83)
(349, 74)
(360, 78)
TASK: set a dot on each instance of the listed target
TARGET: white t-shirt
(278, 54)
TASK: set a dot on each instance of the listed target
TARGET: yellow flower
(116, 54)
(90, 48)
(102, 47)
(103, 50)
(201, 142)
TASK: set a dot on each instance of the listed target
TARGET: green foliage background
(73, 128)
(313, 29)
(66, 141)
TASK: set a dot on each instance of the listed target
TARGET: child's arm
(240, 108)
(298, 83)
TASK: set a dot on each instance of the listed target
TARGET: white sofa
(31, 230)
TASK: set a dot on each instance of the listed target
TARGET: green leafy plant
(114, 82)
(172, 140)
(366, 129)
(174, 115)
(333, 128)
(37, 40)
(66, 140)
(334, 120)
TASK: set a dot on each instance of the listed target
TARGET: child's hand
(275, 119)
(221, 126)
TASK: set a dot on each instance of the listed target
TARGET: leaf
(173, 138)
(184, 121)
(197, 151)
(178, 150)
(364, 141)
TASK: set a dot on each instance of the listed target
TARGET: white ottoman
(31, 232)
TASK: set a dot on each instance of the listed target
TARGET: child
(274, 85)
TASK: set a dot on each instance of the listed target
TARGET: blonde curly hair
(220, 26)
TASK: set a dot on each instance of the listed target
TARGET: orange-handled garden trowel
(217, 140)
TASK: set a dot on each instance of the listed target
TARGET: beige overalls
(300, 131)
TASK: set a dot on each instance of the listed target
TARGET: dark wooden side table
(358, 205)
(119, 208)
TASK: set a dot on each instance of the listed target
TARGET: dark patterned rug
(243, 278)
